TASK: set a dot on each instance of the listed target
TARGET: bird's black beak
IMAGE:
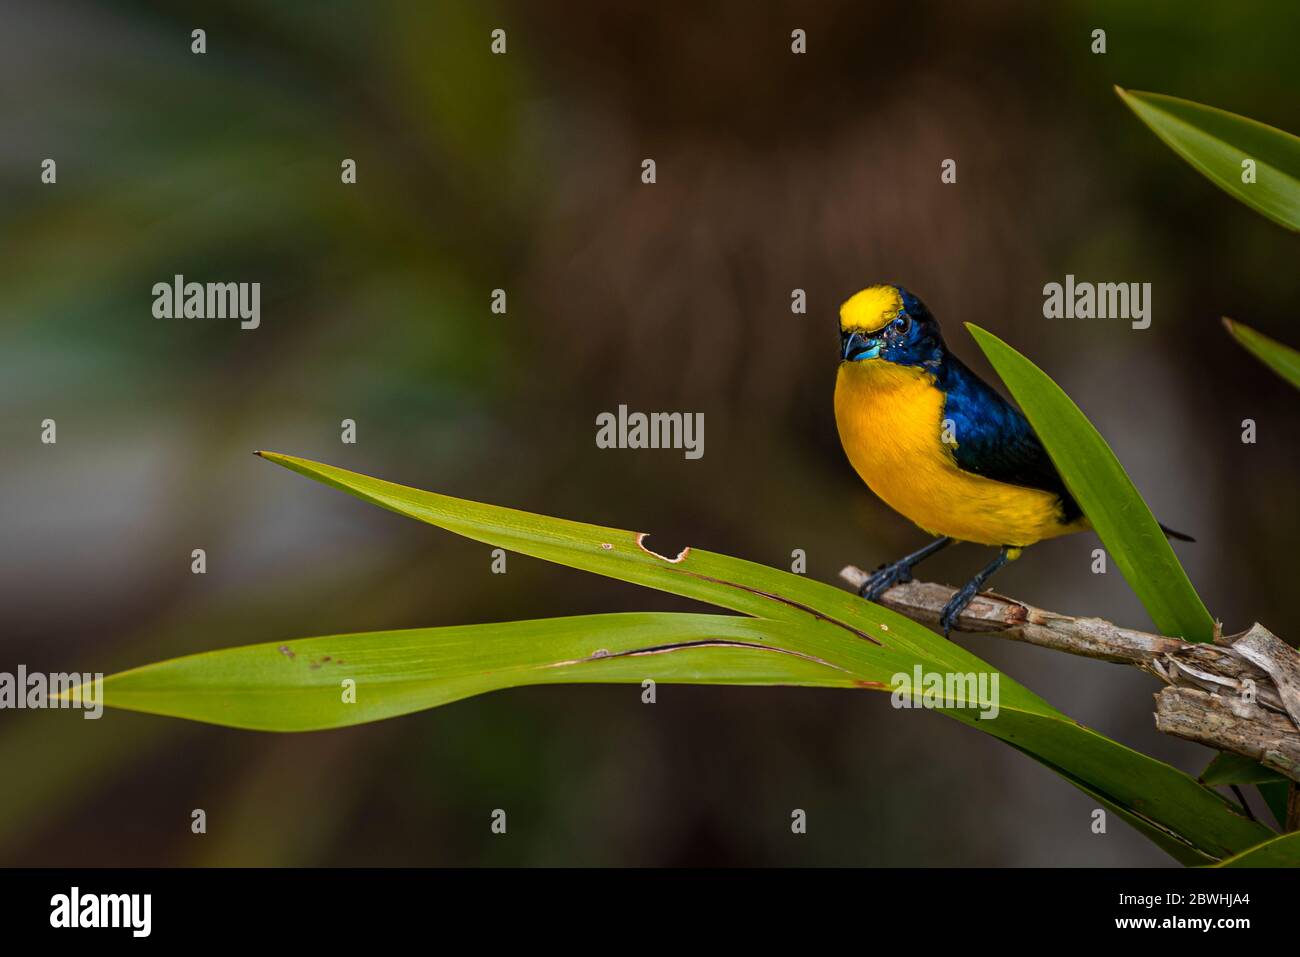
(856, 346)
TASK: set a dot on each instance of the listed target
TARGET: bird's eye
(901, 325)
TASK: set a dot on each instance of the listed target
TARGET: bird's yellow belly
(890, 423)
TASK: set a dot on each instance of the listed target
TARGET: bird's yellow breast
(890, 419)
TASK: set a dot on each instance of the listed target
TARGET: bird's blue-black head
(887, 322)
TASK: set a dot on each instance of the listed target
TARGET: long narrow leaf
(1275, 794)
(1282, 851)
(721, 580)
(1106, 494)
(1192, 822)
(1229, 768)
(1217, 142)
(314, 683)
(1283, 360)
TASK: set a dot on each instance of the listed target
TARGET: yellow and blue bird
(939, 445)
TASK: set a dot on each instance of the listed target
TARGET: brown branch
(1240, 693)
(1208, 718)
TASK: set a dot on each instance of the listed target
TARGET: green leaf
(1281, 851)
(299, 685)
(721, 580)
(1228, 768)
(812, 618)
(1216, 142)
(1235, 769)
(1274, 794)
(811, 634)
(1283, 360)
(1105, 493)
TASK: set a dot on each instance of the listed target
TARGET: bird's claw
(956, 605)
(884, 578)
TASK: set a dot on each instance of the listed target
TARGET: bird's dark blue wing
(994, 439)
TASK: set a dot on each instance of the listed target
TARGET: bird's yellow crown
(871, 309)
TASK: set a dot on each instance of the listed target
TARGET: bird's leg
(957, 604)
(887, 576)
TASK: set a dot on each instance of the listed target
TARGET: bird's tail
(1176, 535)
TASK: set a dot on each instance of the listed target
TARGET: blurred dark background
(522, 171)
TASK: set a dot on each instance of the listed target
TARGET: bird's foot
(956, 605)
(884, 578)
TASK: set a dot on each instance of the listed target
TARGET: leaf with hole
(800, 632)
